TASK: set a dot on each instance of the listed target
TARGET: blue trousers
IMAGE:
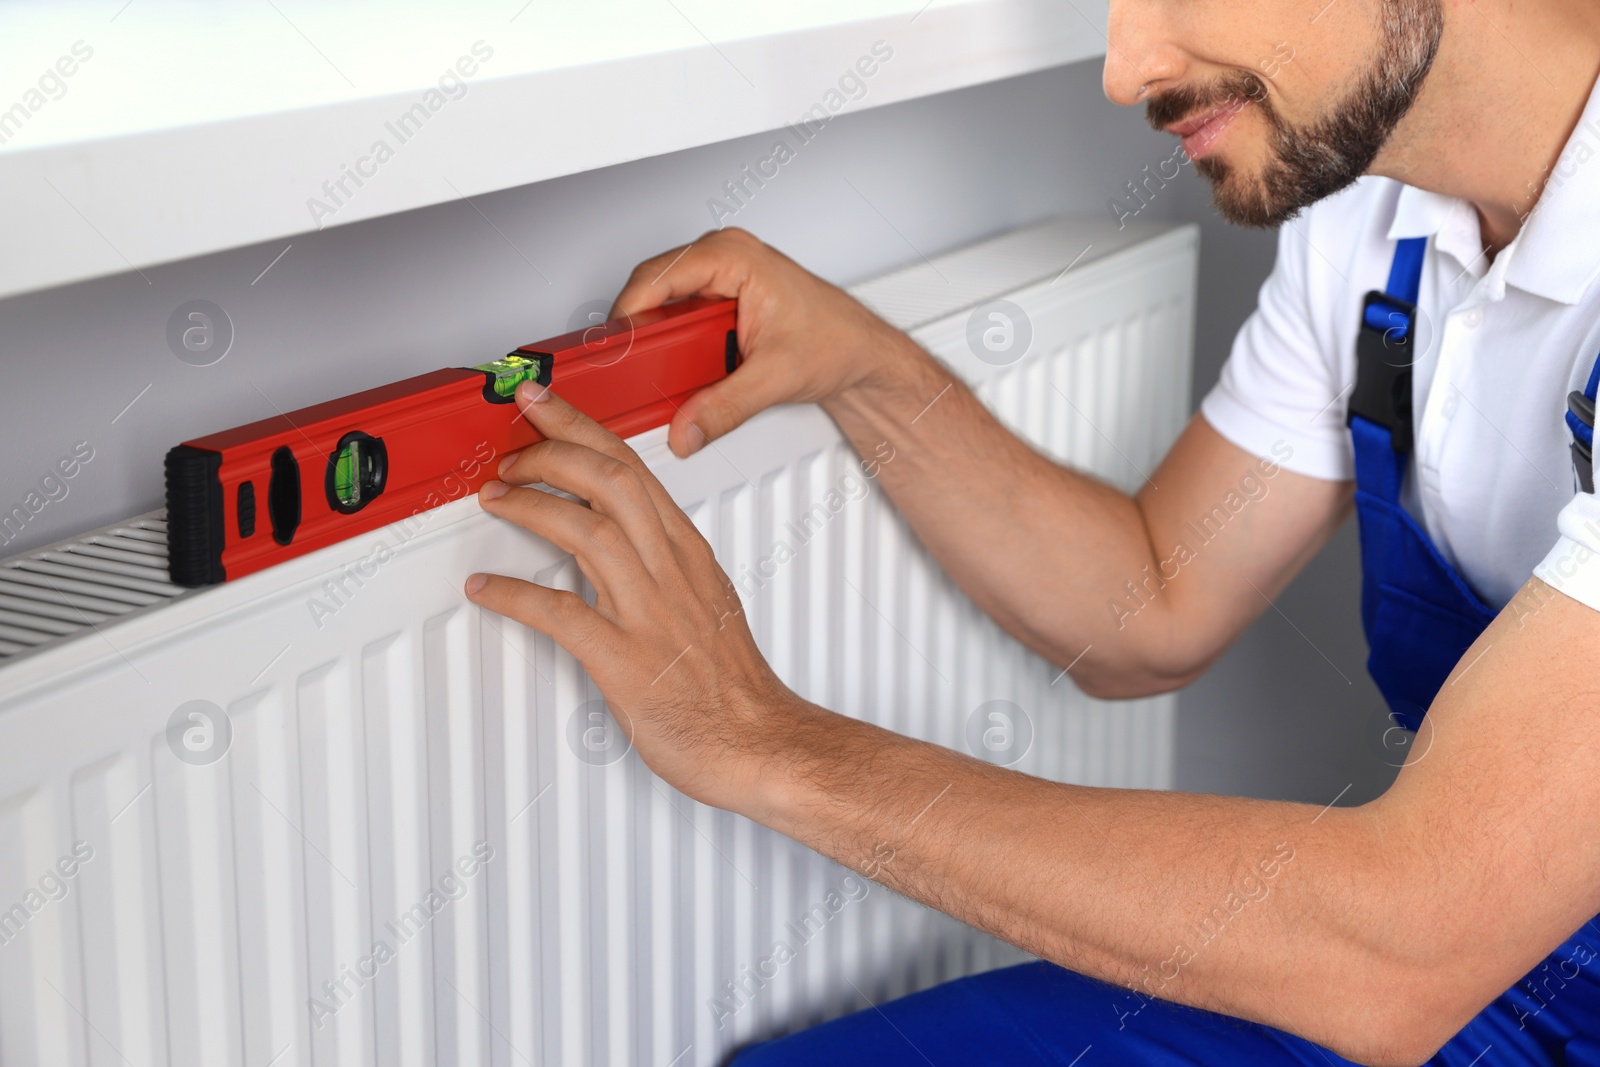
(1040, 1015)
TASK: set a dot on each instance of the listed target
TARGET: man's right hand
(1078, 570)
(802, 339)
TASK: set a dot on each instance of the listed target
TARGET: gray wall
(1289, 712)
(355, 306)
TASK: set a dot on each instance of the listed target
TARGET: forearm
(1134, 595)
(1275, 912)
(1046, 551)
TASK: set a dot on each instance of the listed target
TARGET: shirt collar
(1554, 254)
(1419, 213)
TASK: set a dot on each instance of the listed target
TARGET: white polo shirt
(1502, 344)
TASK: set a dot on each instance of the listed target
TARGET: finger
(610, 487)
(720, 408)
(558, 420)
(714, 265)
(604, 551)
(674, 536)
(561, 614)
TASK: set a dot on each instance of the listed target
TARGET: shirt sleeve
(1573, 565)
(1284, 380)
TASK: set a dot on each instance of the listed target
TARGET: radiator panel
(318, 895)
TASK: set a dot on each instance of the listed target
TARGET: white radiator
(416, 846)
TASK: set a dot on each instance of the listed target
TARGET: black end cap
(195, 523)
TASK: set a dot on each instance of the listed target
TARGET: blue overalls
(1419, 616)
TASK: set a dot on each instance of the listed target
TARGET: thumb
(709, 266)
(719, 409)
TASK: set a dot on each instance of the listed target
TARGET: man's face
(1274, 123)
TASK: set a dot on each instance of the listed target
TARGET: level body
(245, 498)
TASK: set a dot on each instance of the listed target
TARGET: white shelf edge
(117, 203)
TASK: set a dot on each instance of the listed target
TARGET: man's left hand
(666, 640)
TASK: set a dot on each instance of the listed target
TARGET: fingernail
(505, 464)
(476, 582)
(532, 393)
(493, 490)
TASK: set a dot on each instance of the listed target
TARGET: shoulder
(1294, 357)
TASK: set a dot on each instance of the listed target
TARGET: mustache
(1185, 101)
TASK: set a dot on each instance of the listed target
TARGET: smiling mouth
(1200, 134)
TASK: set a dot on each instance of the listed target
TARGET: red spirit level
(334, 470)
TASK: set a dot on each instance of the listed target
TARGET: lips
(1200, 133)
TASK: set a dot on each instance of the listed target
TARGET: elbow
(1130, 672)
(1403, 1016)
(1404, 1035)
(1164, 651)
(1131, 684)
(1406, 1044)
(1403, 976)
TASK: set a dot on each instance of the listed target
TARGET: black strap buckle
(1384, 356)
(1582, 409)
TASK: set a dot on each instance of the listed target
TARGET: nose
(1140, 53)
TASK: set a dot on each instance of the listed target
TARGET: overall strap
(1580, 420)
(1380, 407)
(1405, 280)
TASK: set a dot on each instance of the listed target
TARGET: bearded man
(1426, 345)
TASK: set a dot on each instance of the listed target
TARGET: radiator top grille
(56, 592)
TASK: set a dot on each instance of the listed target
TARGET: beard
(1310, 162)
